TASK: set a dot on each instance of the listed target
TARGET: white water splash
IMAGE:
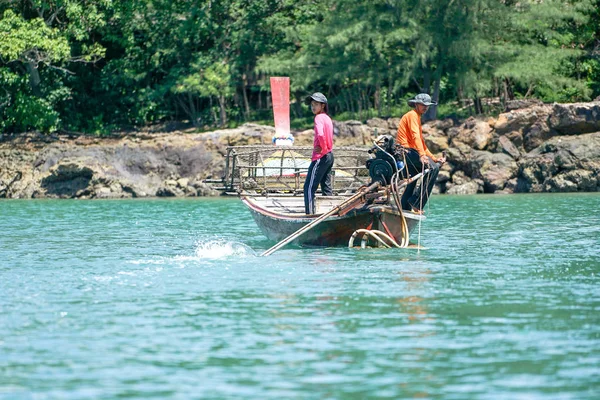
(204, 251)
(216, 249)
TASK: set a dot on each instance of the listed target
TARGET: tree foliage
(98, 66)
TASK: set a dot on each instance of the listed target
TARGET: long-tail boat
(367, 183)
(367, 186)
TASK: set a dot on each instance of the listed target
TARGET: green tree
(538, 45)
(211, 80)
(40, 39)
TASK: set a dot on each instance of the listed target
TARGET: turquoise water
(168, 299)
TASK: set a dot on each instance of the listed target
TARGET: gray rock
(443, 176)
(476, 134)
(508, 147)
(522, 119)
(393, 124)
(495, 170)
(378, 123)
(471, 187)
(536, 134)
(522, 103)
(575, 119)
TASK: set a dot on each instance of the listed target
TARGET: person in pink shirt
(319, 171)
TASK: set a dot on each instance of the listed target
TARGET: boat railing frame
(247, 169)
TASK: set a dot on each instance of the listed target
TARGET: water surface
(169, 299)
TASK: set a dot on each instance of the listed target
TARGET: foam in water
(216, 249)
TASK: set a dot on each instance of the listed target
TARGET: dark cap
(317, 96)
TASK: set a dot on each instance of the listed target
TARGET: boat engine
(387, 161)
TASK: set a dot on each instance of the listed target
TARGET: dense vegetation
(102, 65)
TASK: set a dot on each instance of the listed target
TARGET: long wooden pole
(320, 219)
(329, 213)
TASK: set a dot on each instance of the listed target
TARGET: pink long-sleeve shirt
(323, 142)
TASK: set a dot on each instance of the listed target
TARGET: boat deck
(294, 205)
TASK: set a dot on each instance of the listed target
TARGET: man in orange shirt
(418, 156)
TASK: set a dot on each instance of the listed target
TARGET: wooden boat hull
(335, 230)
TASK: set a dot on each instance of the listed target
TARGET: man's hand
(442, 159)
(424, 160)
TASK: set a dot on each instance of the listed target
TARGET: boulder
(563, 163)
(474, 133)
(536, 134)
(435, 138)
(443, 176)
(522, 103)
(522, 119)
(575, 119)
(442, 125)
(349, 128)
(572, 181)
(356, 133)
(495, 169)
(516, 138)
(472, 187)
(534, 172)
(378, 123)
(460, 178)
(508, 147)
(393, 124)
(66, 180)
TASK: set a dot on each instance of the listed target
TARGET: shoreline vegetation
(532, 147)
(122, 65)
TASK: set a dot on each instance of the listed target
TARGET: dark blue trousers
(412, 197)
(319, 173)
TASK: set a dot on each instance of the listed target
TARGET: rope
(420, 207)
(379, 236)
(375, 234)
(394, 184)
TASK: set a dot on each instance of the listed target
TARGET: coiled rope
(381, 237)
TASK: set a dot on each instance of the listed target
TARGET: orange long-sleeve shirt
(410, 134)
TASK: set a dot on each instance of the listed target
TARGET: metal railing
(269, 169)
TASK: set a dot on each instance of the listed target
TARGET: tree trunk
(223, 110)
(377, 99)
(508, 92)
(189, 108)
(359, 102)
(477, 105)
(192, 110)
(212, 111)
(432, 112)
(260, 100)
(389, 93)
(298, 106)
(246, 103)
(426, 81)
(34, 78)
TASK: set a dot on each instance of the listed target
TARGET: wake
(204, 251)
(218, 249)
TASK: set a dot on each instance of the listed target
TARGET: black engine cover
(380, 170)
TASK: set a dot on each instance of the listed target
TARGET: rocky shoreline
(532, 147)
